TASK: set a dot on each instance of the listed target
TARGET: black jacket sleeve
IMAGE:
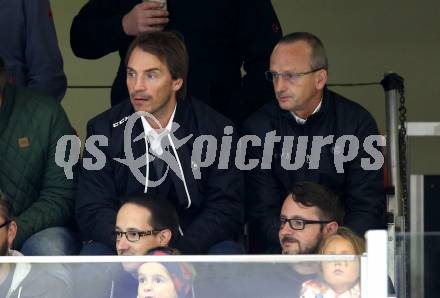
(222, 215)
(97, 29)
(365, 201)
(96, 199)
(264, 197)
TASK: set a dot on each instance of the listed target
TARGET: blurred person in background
(29, 47)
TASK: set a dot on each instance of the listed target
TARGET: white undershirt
(300, 120)
(153, 137)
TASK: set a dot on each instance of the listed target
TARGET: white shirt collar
(155, 138)
(300, 120)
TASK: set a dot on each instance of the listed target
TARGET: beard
(4, 248)
(302, 249)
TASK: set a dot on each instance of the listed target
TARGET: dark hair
(6, 209)
(182, 274)
(311, 194)
(318, 57)
(2, 76)
(169, 48)
(163, 214)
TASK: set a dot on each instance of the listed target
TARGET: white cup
(163, 2)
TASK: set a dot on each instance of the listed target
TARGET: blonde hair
(357, 242)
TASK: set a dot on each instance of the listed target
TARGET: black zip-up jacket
(221, 37)
(210, 209)
(361, 191)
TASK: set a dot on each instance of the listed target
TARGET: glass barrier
(177, 276)
(183, 276)
(416, 269)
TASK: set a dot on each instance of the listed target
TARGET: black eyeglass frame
(139, 234)
(305, 222)
(5, 223)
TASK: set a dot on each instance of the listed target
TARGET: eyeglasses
(5, 223)
(134, 236)
(300, 224)
(289, 76)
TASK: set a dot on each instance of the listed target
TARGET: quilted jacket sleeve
(54, 204)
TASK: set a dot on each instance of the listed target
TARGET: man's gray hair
(318, 57)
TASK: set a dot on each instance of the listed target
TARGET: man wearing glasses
(145, 223)
(305, 109)
(309, 214)
(142, 223)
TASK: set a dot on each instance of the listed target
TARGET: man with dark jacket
(42, 197)
(221, 37)
(155, 150)
(308, 129)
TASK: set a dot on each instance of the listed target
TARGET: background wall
(364, 39)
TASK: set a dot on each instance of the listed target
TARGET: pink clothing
(318, 289)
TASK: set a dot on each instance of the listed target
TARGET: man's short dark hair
(318, 57)
(170, 49)
(6, 209)
(311, 194)
(163, 214)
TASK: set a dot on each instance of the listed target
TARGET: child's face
(155, 282)
(340, 275)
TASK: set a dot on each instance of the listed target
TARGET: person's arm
(222, 215)
(54, 206)
(95, 206)
(365, 199)
(257, 34)
(263, 207)
(264, 199)
(43, 57)
(105, 26)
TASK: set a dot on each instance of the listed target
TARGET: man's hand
(145, 17)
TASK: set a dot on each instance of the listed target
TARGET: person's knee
(96, 249)
(54, 241)
(227, 247)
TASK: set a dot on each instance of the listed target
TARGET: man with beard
(309, 214)
(26, 280)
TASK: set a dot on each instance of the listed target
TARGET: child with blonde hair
(340, 279)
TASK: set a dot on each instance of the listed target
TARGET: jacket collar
(21, 271)
(183, 118)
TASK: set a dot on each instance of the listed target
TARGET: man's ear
(321, 79)
(177, 84)
(165, 237)
(331, 228)
(12, 232)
